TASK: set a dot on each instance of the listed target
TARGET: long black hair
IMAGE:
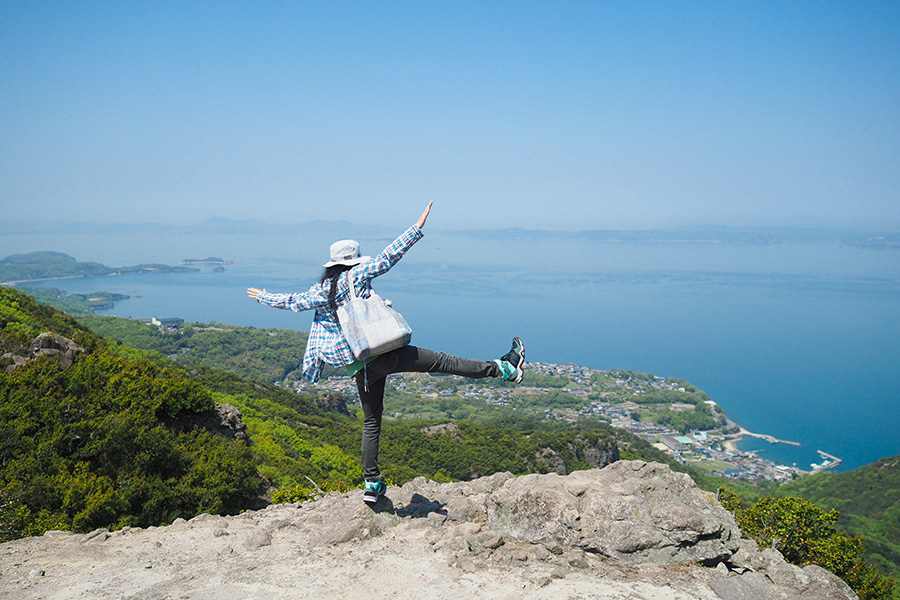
(332, 274)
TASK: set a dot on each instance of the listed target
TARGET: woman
(327, 344)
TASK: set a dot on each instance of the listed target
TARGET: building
(170, 323)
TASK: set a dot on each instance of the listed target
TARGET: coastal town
(670, 414)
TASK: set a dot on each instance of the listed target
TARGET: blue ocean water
(797, 340)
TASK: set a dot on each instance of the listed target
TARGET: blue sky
(571, 115)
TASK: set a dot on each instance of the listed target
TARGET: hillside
(84, 436)
(641, 407)
(868, 500)
(264, 355)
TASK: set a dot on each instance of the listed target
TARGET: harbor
(828, 462)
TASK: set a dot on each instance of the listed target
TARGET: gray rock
(98, 535)
(523, 507)
(46, 344)
(484, 542)
(786, 575)
(824, 585)
(436, 519)
(749, 586)
(223, 419)
(12, 361)
(632, 529)
(53, 344)
(632, 512)
(257, 539)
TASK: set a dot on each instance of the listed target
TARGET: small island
(47, 266)
(76, 304)
(212, 260)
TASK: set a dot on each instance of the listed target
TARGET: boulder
(332, 401)
(223, 419)
(825, 585)
(53, 344)
(630, 512)
(12, 361)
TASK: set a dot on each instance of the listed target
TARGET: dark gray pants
(409, 359)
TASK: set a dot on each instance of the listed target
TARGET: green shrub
(805, 534)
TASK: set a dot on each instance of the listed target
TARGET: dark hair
(332, 273)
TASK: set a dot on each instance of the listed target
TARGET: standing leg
(370, 383)
(372, 401)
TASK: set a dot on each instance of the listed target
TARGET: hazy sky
(574, 115)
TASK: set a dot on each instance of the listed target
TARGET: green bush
(805, 534)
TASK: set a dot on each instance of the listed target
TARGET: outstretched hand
(254, 293)
(421, 222)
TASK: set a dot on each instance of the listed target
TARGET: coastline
(57, 278)
(127, 271)
(731, 443)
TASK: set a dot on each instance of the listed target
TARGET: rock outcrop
(631, 530)
(47, 344)
(223, 419)
(332, 401)
(630, 512)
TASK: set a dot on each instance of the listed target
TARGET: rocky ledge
(46, 344)
(630, 530)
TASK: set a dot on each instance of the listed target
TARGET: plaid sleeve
(382, 263)
(296, 302)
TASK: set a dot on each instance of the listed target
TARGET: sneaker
(374, 490)
(512, 362)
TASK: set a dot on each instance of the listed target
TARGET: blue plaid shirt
(326, 342)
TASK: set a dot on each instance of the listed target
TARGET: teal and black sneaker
(511, 364)
(374, 490)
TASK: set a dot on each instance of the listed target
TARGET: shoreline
(57, 278)
(140, 271)
(731, 443)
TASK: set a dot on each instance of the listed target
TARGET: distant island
(881, 236)
(76, 304)
(47, 266)
(212, 260)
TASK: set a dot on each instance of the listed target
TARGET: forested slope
(85, 447)
(264, 355)
(868, 502)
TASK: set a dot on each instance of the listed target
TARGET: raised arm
(421, 222)
(382, 263)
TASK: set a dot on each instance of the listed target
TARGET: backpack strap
(351, 284)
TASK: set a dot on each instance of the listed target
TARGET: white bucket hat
(345, 252)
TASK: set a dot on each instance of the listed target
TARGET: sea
(797, 340)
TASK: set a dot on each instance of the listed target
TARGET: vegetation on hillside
(805, 534)
(265, 355)
(22, 319)
(86, 447)
(868, 501)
